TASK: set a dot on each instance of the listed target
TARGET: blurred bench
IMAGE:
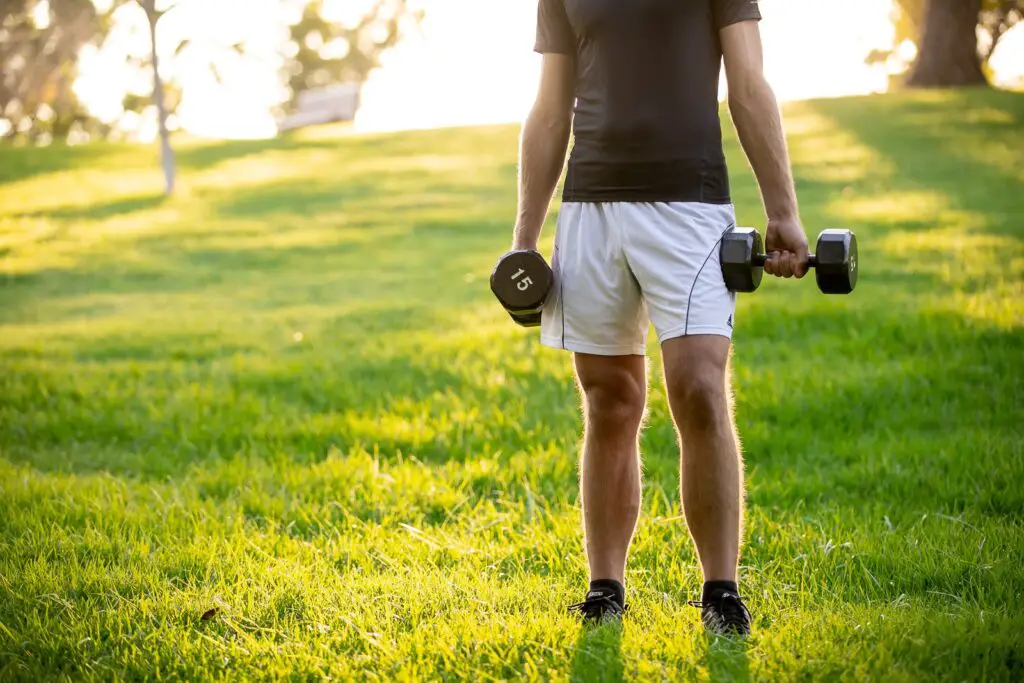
(323, 105)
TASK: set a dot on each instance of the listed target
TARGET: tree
(948, 47)
(954, 39)
(166, 152)
(326, 51)
(42, 41)
(164, 95)
(39, 63)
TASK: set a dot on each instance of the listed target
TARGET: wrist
(783, 213)
(524, 239)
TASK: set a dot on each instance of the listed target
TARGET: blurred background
(84, 69)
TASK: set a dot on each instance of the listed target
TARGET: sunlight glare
(41, 15)
(448, 72)
(455, 74)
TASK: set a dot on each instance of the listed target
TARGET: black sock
(610, 585)
(713, 589)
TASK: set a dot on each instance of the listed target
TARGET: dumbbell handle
(759, 260)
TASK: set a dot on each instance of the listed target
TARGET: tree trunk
(948, 46)
(166, 153)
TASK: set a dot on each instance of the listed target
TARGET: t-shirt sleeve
(732, 11)
(554, 32)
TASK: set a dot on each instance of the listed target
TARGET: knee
(614, 402)
(699, 396)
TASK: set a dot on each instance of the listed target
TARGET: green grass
(287, 395)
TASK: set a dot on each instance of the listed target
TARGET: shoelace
(596, 606)
(730, 607)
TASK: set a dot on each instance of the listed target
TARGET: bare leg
(614, 392)
(697, 376)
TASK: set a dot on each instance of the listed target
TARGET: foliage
(328, 51)
(998, 17)
(286, 399)
(38, 66)
(40, 63)
(195, 45)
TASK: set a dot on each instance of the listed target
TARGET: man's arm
(755, 113)
(542, 146)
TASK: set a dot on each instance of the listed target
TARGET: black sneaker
(725, 614)
(600, 606)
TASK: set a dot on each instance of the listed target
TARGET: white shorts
(620, 266)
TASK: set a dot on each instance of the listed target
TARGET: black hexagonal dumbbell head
(738, 250)
(527, 319)
(835, 261)
(521, 281)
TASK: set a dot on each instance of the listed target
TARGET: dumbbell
(521, 281)
(834, 261)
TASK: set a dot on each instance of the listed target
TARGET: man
(644, 205)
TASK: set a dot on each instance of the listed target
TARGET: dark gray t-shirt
(646, 124)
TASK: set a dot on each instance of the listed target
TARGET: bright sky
(472, 62)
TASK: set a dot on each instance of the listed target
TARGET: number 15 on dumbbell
(522, 281)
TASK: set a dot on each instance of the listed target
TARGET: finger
(785, 268)
(771, 264)
(801, 265)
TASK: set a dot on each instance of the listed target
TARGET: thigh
(696, 359)
(619, 374)
(595, 305)
(673, 250)
(615, 382)
(697, 380)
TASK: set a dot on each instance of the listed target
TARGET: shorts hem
(692, 330)
(593, 349)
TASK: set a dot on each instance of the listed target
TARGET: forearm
(755, 114)
(542, 146)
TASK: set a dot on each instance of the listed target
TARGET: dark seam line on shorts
(561, 301)
(686, 324)
(561, 285)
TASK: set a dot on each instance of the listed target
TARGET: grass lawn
(287, 399)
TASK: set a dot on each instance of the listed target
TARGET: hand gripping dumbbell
(521, 281)
(834, 261)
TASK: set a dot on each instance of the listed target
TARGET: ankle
(606, 586)
(713, 589)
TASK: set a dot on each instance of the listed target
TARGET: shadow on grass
(205, 155)
(18, 164)
(98, 212)
(967, 179)
(894, 393)
(405, 196)
(221, 395)
(875, 424)
(333, 270)
(598, 655)
(888, 429)
(289, 232)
